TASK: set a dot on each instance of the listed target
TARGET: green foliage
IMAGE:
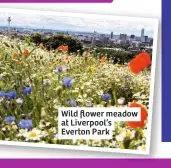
(36, 38)
(120, 57)
(54, 41)
(13, 35)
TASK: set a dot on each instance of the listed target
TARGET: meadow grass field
(35, 82)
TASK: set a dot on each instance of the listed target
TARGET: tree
(36, 38)
(52, 42)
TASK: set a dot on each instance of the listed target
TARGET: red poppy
(62, 48)
(103, 59)
(144, 115)
(68, 58)
(140, 62)
(25, 53)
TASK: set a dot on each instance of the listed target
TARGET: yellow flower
(96, 142)
(81, 140)
(32, 134)
(122, 146)
(107, 143)
(143, 147)
(14, 127)
(99, 105)
(8, 127)
(93, 69)
(128, 134)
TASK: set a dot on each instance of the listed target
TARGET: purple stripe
(166, 80)
(85, 163)
(56, 1)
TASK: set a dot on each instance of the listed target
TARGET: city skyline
(75, 23)
(44, 29)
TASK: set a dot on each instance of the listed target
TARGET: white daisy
(121, 101)
(19, 101)
(34, 135)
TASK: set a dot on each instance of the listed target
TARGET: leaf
(19, 49)
(32, 51)
(12, 46)
(6, 44)
(115, 98)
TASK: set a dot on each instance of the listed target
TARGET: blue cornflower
(2, 94)
(27, 90)
(59, 69)
(11, 95)
(25, 124)
(1, 78)
(73, 102)
(46, 82)
(147, 80)
(125, 87)
(9, 119)
(67, 102)
(106, 96)
(67, 82)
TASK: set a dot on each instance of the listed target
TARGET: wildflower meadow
(35, 82)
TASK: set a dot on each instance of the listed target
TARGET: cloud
(80, 22)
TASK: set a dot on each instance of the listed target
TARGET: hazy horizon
(75, 23)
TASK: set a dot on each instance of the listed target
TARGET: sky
(69, 22)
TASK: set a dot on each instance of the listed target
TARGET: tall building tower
(9, 21)
(93, 39)
(144, 39)
(111, 36)
(142, 32)
(123, 36)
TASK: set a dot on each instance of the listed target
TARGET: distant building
(80, 37)
(123, 36)
(151, 42)
(135, 44)
(137, 38)
(142, 32)
(144, 39)
(83, 38)
(98, 42)
(47, 33)
(132, 36)
(101, 37)
(106, 40)
(111, 35)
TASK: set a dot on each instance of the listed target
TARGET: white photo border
(155, 22)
